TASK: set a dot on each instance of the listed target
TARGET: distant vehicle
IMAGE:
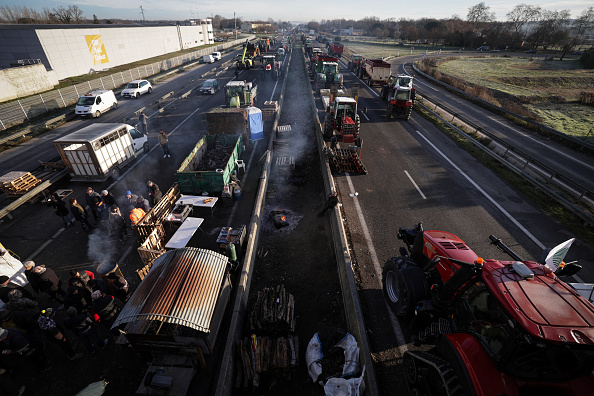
(218, 40)
(95, 103)
(136, 88)
(484, 48)
(577, 53)
(533, 51)
(208, 59)
(210, 86)
(217, 56)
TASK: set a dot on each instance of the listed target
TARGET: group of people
(85, 305)
(115, 215)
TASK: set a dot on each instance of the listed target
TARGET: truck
(336, 48)
(201, 172)
(240, 94)
(246, 122)
(489, 326)
(375, 71)
(399, 93)
(325, 72)
(99, 151)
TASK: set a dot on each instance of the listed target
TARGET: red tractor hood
(545, 306)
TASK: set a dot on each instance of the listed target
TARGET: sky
(293, 10)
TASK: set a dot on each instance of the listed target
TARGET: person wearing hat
(79, 213)
(84, 328)
(143, 123)
(6, 286)
(50, 283)
(18, 302)
(21, 320)
(93, 200)
(61, 210)
(108, 199)
(136, 214)
(55, 333)
(117, 223)
(78, 296)
(104, 305)
(164, 143)
(142, 203)
(31, 277)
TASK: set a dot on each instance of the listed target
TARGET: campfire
(279, 218)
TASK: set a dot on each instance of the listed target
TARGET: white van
(217, 56)
(208, 59)
(95, 103)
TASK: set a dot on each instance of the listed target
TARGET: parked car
(95, 103)
(577, 53)
(217, 56)
(484, 48)
(210, 86)
(136, 88)
(533, 51)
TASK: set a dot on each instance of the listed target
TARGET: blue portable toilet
(255, 123)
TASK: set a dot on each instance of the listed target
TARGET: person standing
(164, 142)
(154, 194)
(61, 210)
(79, 213)
(104, 306)
(108, 198)
(143, 204)
(136, 214)
(117, 223)
(127, 200)
(31, 276)
(17, 345)
(143, 123)
(121, 289)
(50, 283)
(84, 328)
(55, 333)
(93, 199)
(330, 203)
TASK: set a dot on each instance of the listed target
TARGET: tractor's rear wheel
(357, 124)
(404, 285)
(328, 127)
(390, 110)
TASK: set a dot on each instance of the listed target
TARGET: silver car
(136, 88)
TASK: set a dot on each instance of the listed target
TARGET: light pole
(235, 26)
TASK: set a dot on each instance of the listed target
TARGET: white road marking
(415, 184)
(376, 265)
(365, 115)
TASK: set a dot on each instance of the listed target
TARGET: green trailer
(195, 175)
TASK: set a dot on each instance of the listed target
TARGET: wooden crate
(150, 249)
(17, 183)
(157, 214)
(269, 110)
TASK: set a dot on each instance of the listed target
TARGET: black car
(210, 86)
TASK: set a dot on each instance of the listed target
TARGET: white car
(136, 88)
(217, 56)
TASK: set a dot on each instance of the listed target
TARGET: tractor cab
(330, 68)
(268, 62)
(236, 93)
(345, 119)
(356, 58)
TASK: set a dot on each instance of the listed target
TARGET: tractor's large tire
(407, 113)
(328, 127)
(404, 285)
(383, 93)
(390, 110)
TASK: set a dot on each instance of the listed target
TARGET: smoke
(100, 247)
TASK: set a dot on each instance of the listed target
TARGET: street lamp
(235, 25)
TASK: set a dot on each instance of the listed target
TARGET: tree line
(526, 27)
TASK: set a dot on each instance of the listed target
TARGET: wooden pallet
(18, 183)
(269, 109)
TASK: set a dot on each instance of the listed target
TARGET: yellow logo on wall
(97, 49)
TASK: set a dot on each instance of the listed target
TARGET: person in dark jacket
(61, 210)
(117, 223)
(54, 332)
(83, 276)
(31, 276)
(78, 296)
(120, 286)
(108, 199)
(330, 203)
(6, 286)
(79, 213)
(84, 328)
(16, 345)
(143, 204)
(99, 284)
(105, 307)
(153, 192)
(93, 199)
(50, 283)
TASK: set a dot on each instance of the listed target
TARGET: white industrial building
(73, 50)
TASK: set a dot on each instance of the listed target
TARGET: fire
(283, 218)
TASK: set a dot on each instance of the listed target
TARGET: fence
(19, 111)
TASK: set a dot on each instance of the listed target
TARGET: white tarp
(255, 123)
(12, 267)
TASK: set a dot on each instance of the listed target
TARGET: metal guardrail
(560, 135)
(22, 110)
(588, 218)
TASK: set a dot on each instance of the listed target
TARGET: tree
(313, 25)
(479, 14)
(519, 18)
(548, 27)
(576, 33)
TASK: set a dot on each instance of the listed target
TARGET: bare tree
(479, 14)
(77, 14)
(551, 29)
(519, 18)
(22, 14)
(62, 14)
(576, 33)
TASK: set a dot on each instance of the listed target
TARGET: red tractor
(400, 95)
(342, 116)
(488, 327)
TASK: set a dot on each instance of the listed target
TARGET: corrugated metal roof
(181, 288)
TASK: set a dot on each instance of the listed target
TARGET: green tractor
(240, 94)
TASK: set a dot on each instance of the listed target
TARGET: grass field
(384, 50)
(550, 89)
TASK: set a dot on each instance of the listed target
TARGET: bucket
(237, 194)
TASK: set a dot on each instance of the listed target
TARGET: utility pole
(235, 25)
(142, 12)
